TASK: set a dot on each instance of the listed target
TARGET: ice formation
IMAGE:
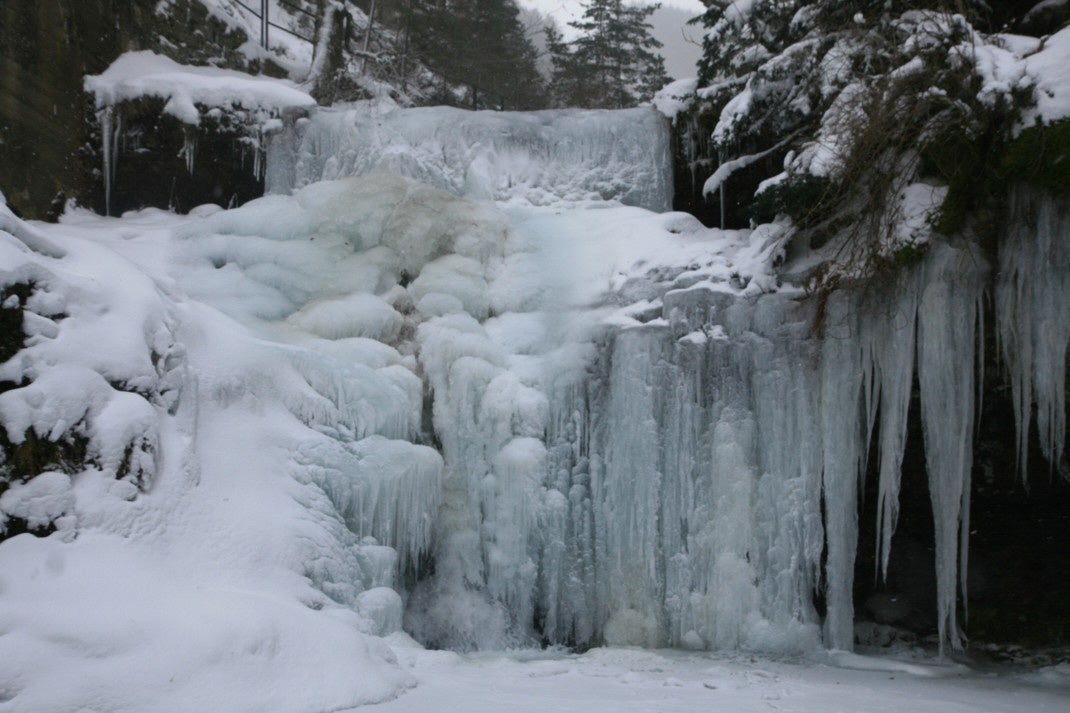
(1032, 319)
(552, 418)
(542, 157)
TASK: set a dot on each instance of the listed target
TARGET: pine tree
(614, 62)
(497, 70)
(740, 37)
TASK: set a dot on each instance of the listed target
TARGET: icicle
(893, 354)
(116, 144)
(105, 116)
(841, 417)
(258, 166)
(947, 340)
(1032, 318)
(189, 148)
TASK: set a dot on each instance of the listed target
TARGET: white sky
(565, 10)
(680, 55)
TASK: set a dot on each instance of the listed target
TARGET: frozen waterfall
(544, 158)
(646, 440)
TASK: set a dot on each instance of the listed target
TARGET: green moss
(979, 171)
(1040, 156)
(959, 160)
(908, 255)
(795, 197)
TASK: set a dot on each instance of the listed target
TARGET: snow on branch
(727, 168)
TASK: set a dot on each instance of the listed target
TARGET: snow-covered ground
(619, 680)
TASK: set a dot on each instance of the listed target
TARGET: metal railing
(264, 16)
(358, 46)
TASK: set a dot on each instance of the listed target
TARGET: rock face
(46, 48)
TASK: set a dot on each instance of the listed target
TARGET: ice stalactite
(1032, 317)
(106, 118)
(189, 147)
(258, 155)
(948, 314)
(842, 424)
(890, 343)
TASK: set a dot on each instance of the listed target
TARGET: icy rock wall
(689, 476)
(542, 158)
(720, 456)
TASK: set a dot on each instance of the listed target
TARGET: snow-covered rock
(135, 75)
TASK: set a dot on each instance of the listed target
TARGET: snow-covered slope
(202, 558)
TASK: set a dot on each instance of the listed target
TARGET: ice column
(948, 314)
(841, 418)
(627, 485)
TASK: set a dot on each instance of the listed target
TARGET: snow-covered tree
(480, 45)
(613, 63)
(824, 111)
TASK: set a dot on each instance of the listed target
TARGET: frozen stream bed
(618, 680)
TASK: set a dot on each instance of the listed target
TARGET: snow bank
(101, 624)
(146, 74)
(1050, 67)
(230, 494)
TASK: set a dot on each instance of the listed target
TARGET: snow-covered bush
(70, 400)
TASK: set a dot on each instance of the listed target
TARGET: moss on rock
(1040, 156)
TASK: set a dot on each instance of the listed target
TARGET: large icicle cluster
(710, 458)
(1033, 318)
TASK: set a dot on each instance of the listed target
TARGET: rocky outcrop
(46, 48)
